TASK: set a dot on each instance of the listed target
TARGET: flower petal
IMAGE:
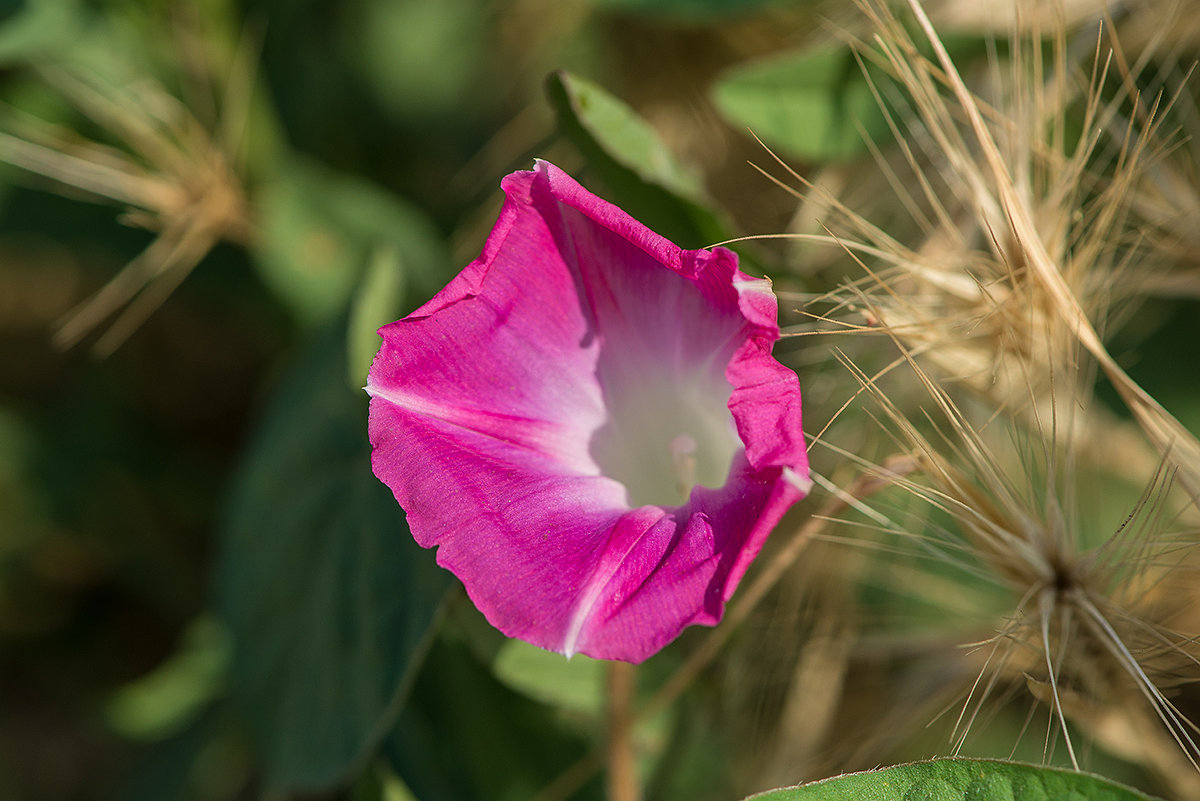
(683, 566)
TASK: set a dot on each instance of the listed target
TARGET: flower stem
(622, 770)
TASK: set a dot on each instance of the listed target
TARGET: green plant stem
(622, 768)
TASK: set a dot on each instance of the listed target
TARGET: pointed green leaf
(960, 780)
(643, 174)
(626, 137)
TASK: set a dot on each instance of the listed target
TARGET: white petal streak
(564, 444)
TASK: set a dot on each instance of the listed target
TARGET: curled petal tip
(802, 483)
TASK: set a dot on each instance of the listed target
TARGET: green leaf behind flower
(321, 229)
(576, 684)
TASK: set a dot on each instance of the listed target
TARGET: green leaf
(394, 45)
(33, 28)
(320, 230)
(576, 683)
(378, 301)
(466, 737)
(813, 103)
(960, 780)
(626, 137)
(330, 601)
(164, 700)
(645, 177)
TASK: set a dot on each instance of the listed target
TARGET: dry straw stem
(174, 176)
(1166, 197)
(1156, 45)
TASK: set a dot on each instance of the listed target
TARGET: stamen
(683, 461)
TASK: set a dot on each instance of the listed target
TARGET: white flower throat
(661, 440)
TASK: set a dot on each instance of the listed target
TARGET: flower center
(662, 440)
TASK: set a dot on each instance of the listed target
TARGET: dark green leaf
(960, 780)
(10, 9)
(329, 599)
(814, 103)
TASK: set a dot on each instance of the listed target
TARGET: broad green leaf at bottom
(960, 780)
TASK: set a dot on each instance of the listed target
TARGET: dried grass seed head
(174, 176)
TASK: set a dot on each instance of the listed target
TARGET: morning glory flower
(588, 424)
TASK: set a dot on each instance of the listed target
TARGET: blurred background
(206, 208)
(262, 155)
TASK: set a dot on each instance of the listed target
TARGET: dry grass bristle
(174, 176)
(1087, 619)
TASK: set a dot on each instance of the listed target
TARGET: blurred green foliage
(204, 592)
(218, 460)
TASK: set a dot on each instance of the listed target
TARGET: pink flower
(589, 425)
